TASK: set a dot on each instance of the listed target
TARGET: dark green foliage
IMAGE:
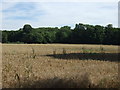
(81, 34)
(62, 36)
(32, 38)
(0, 37)
(27, 28)
(4, 37)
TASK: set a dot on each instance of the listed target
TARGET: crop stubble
(34, 65)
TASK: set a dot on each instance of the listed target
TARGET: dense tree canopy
(81, 34)
(27, 28)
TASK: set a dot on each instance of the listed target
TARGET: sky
(14, 14)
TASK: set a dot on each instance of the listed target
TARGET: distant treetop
(27, 28)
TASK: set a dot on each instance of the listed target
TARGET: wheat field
(59, 65)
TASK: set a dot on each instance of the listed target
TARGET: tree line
(81, 34)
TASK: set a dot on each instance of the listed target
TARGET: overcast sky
(56, 14)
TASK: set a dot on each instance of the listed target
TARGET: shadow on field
(87, 56)
(57, 82)
(78, 81)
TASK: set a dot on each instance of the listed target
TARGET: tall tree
(27, 28)
(4, 37)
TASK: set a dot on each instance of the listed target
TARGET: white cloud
(119, 14)
(61, 0)
(62, 13)
(71, 13)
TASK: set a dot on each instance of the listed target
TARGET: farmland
(59, 65)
